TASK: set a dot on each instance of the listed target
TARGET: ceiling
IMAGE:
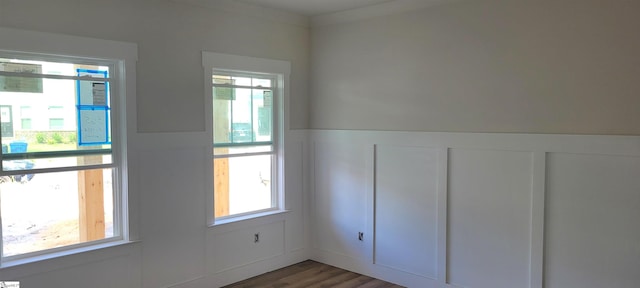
(314, 7)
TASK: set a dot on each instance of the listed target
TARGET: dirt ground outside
(43, 213)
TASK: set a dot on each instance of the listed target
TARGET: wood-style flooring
(311, 274)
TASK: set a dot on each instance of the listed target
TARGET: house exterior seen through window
(58, 170)
(243, 140)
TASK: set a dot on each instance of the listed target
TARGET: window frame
(120, 57)
(243, 65)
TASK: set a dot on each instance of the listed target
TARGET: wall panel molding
(406, 179)
(494, 197)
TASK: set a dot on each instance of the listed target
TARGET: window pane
(241, 81)
(242, 115)
(48, 121)
(242, 150)
(26, 124)
(42, 211)
(242, 184)
(265, 83)
(56, 123)
(44, 67)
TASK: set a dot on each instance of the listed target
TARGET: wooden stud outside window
(91, 204)
(221, 186)
(221, 166)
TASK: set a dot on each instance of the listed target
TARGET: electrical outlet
(256, 238)
(360, 236)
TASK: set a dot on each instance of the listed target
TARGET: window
(62, 183)
(25, 118)
(56, 118)
(246, 96)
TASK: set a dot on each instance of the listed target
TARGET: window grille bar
(221, 156)
(51, 76)
(54, 154)
(244, 144)
(59, 169)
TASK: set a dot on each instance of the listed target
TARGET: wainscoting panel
(592, 222)
(479, 210)
(489, 218)
(238, 248)
(121, 273)
(173, 238)
(340, 198)
(294, 201)
(406, 181)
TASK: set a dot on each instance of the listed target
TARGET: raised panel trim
(538, 191)
(364, 151)
(539, 145)
(528, 192)
(443, 195)
(438, 183)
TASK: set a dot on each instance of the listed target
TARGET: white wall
(178, 248)
(474, 209)
(478, 210)
(530, 66)
(169, 148)
(430, 205)
(171, 36)
(173, 246)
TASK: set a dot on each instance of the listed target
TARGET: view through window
(243, 134)
(58, 177)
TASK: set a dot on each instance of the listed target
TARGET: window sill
(242, 218)
(67, 253)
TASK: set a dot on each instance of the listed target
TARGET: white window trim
(57, 46)
(236, 63)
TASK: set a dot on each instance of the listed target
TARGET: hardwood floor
(311, 274)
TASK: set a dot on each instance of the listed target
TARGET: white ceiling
(314, 7)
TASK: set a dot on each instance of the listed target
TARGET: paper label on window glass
(92, 127)
(99, 94)
(20, 84)
(92, 92)
(268, 98)
(9, 284)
